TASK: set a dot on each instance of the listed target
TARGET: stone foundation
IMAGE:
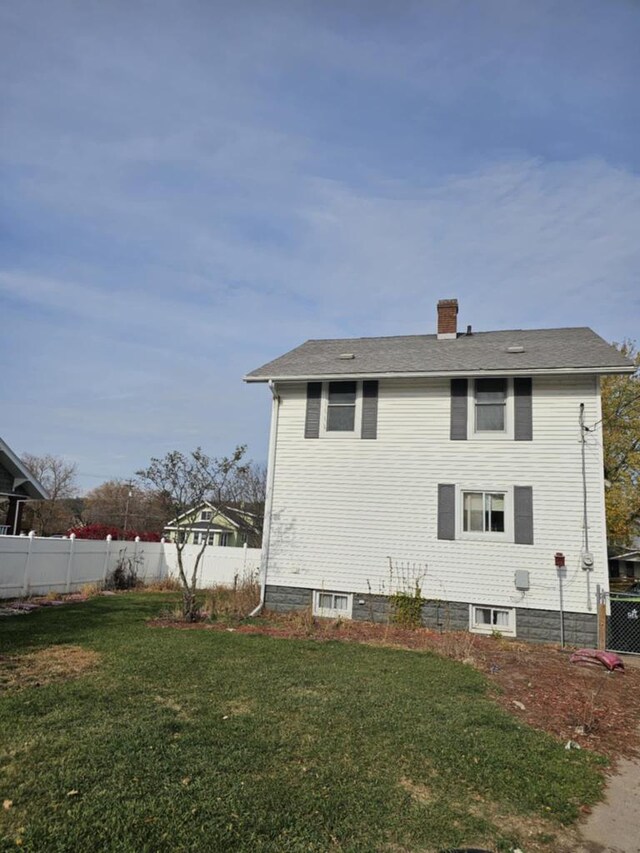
(580, 629)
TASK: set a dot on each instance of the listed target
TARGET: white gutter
(271, 470)
(438, 374)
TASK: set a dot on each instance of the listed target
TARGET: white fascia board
(438, 374)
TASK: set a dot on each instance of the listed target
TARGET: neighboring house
(454, 461)
(234, 527)
(625, 562)
(17, 485)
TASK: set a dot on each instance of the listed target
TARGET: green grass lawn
(218, 741)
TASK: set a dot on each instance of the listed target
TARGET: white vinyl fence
(31, 565)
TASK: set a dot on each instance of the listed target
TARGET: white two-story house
(462, 462)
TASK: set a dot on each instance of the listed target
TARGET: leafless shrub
(458, 645)
(586, 717)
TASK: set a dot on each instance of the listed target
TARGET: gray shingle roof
(544, 349)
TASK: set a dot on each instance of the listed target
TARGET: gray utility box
(522, 579)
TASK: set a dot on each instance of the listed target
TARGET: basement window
(335, 605)
(486, 620)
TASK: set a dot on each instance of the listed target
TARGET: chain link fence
(623, 624)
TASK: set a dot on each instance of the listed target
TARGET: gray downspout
(271, 468)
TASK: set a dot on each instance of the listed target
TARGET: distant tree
(247, 492)
(621, 436)
(250, 484)
(59, 479)
(186, 481)
(126, 505)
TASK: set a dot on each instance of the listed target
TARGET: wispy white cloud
(193, 191)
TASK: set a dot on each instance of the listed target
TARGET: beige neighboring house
(232, 528)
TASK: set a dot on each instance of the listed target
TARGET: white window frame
(206, 515)
(477, 628)
(507, 434)
(224, 535)
(489, 535)
(332, 612)
(357, 424)
(195, 537)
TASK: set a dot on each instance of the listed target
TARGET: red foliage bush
(101, 531)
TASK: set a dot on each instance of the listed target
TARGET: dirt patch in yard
(35, 669)
(588, 706)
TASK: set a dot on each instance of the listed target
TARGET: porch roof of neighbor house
(510, 352)
(24, 483)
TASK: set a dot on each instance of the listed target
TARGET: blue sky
(189, 189)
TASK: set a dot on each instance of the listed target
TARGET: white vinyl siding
(341, 509)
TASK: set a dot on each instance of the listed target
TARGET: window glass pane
(341, 418)
(490, 417)
(494, 517)
(491, 390)
(483, 616)
(342, 392)
(501, 618)
(325, 600)
(473, 511)
(340, 602)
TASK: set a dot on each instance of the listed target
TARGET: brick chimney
(447, 319)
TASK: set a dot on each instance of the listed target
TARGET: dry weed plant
(586, 718)
(235, 602)
(304, 620)
(163, 585)
(90, 589)
(52, 595)
(459, 645)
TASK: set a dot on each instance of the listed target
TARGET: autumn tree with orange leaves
(621, 436)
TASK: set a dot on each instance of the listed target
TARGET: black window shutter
(523, 427)
(459, 409)
(370, 409)
(523, 515)
(446, 511)
(312, 420)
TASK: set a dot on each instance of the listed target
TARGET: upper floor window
(491, 408)
(490, 405)
(206, 515)
(341, 406)
(344, 408)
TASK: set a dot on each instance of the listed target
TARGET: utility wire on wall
(583, 441)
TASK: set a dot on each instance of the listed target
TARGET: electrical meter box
(522, 579)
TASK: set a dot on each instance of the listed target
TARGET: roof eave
(35, 488)
(520, 371)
